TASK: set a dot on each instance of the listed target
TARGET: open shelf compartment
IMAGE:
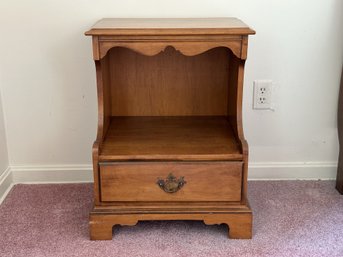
(170, 106)
(170, 138)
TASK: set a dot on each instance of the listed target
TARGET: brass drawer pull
(171, 184)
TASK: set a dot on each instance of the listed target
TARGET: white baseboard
(292, 171)
(6, 183)
(39, 174)
(52, 174)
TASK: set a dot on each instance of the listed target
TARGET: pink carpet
(291, 218)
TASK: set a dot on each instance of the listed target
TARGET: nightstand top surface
(115, 26)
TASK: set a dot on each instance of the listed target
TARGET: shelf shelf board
(178, 138)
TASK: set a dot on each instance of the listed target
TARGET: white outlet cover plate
(262, 94)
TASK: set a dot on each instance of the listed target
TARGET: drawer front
(154, 181)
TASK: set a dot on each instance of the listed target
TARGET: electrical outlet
(262, 94)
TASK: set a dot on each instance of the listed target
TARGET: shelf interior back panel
(169, 83)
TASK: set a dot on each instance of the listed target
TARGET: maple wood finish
(180, 85)
(170, 143)
(170, 138)
(205, 181)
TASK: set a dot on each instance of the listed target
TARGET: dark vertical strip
(339, 181)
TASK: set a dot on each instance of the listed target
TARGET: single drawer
(171, 181)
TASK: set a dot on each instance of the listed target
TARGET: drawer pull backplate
(171, 184)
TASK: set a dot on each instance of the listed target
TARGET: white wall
(5, 174)
(3, 143)
(48, 75)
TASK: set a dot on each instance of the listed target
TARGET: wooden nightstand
(170, 143)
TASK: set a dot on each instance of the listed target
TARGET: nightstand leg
(240, 226)
(101, 225)
(100, 230)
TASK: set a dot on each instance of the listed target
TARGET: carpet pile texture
(291, 218)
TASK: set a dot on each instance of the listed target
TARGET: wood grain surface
(170, 138)
(169, 84)
(122, 26)
(239, 223)
(205, 181)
